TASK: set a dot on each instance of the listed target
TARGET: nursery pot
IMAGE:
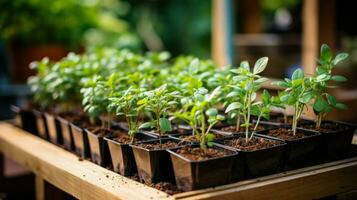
(153, 165)
(80, 140)
(99, 150)
(41, 124)
(255, 163)
(194, 174)
(54, 129)
(122, 154)
(24, 119)
(66, 133)
(301, 152)
(336, 144)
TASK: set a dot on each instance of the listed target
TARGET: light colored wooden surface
(82, 179)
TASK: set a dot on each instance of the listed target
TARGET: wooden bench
(85, 180)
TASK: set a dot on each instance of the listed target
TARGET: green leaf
(331, 99)
(261, 80)
(210, 137)
(265, 97)
(339, 78)
(260, 65)
(297, 74)
(320, 104)
(244, 64)
(147, 125)
(232, 94)
(323, 77)
(211, 112)
(281, 84)
(340, 57)
(233, 106)
(306, 98)
(326, 53)
(165, 125)
(341, 106)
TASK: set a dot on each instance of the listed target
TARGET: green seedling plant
(324, 102)
(245, 85)
(158, 103)
(126, 103)
(200, 112)
(298, 93)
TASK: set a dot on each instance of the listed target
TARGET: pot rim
(173, 152)
(156, 140)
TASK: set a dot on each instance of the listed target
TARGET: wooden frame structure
(85, 180)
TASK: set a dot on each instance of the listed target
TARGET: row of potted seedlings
(182, 120)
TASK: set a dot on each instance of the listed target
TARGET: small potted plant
(301, 143)
(125, 104)
(258, 155)
(336, 137)
(204, 164)
(151, 156)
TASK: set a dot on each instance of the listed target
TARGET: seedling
(125, 103)
(200, 112)
(158, 102)
(323, 101)
(298, 94)
(244, 88)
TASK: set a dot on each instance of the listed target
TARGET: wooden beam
(222, 32)
(81, 179)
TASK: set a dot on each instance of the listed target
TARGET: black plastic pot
(122, 155)
(153, 165)
(54, 129)
(41, 124)
(99, 149)
(24, 119)
(192, 175)
(302, 151)
(262, 162)
(66, 133)
(336, 144)
(80, 140)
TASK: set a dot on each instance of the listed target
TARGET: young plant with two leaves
(324, 102)
(245, 85)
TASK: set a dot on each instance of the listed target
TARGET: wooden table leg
(39, 188)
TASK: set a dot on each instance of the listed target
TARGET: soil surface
(164, 145)
(197, 154)
(286, 134)
(326, 127)
(195, 138)
(173, 132)
(100, 132)
(254, 144)
(233, 128)
(123, 138)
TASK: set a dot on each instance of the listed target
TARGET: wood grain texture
(81, 179)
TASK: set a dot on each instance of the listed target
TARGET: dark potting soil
(123, 138)
(173, 132)
(233, 128)
(100, 132)
(253, 144)
(197, 154)
(286, 134)
(280, 119)
(166, 187)
(158, 146)
(326, 127)
(195, 138)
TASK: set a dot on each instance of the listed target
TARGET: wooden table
(85, 180)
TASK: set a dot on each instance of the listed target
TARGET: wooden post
(39, 188)
(222, 32)
(310, 46)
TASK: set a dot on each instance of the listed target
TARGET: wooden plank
(307, 183)
(81, 179)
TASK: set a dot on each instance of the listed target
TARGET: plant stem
(203, 136)
(248, 118)
(256, 126)
(238, 123)
(319, 120)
